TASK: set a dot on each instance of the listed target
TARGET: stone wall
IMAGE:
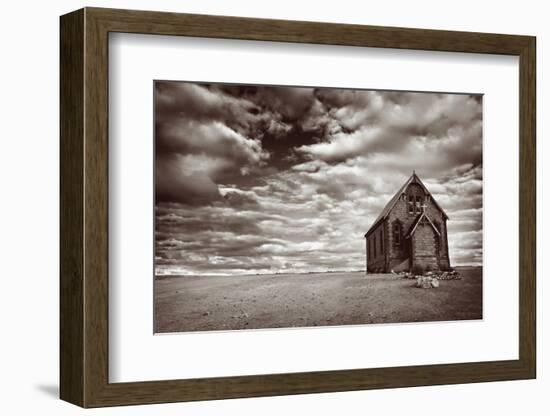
(424, 246)
(376, 259)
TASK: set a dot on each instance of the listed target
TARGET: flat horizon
(297, 273)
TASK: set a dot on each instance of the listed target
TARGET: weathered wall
(376, 259)
(424, 246)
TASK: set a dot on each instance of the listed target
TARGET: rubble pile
(450, 275)
(430, 279)
(427, 282)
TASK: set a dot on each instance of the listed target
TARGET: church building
(410, 231)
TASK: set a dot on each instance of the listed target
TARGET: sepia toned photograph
(291, 206)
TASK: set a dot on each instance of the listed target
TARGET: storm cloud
(261, 179)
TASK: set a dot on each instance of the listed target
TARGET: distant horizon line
(285, 272)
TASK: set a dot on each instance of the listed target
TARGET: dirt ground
(209, 303)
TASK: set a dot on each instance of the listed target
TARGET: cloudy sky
(261, 179)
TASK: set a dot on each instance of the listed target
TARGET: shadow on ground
(51, 390)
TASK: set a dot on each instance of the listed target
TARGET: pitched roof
(413, 179)
(417, 221)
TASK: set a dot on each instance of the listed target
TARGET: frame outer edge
(272, 30)
(71, 290)
(84, 288)
(96, 211)
(528, 208)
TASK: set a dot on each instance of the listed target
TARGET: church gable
(411, 197)
(415, 198)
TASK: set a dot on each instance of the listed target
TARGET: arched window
(411, 204)
(415, 199)
(396, 232)
(418, 204)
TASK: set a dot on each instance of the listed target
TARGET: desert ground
(207, 303)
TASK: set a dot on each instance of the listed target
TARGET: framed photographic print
(256, 207)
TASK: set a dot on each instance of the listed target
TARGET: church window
(411, 204)
(418, 205)
(397, 234)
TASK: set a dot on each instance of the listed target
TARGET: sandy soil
(207, 303)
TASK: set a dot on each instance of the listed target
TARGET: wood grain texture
(84, 207)
(96, 218)
(162, 23)
(71, 213)
(527, 208)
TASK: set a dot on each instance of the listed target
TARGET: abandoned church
(411, 231)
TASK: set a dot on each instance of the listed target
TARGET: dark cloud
(267, 179)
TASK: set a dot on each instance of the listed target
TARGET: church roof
(413, 179)
(417, 221)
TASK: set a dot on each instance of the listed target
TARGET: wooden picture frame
(84, 207)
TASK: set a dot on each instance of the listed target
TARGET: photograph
(306, 206)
